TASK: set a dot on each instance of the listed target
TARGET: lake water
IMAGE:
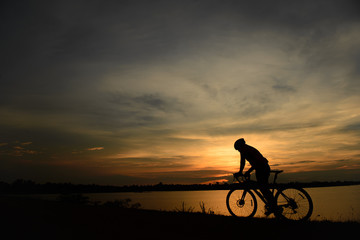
(330, 203)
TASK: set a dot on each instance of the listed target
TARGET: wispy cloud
(95, 148)
(17, 149)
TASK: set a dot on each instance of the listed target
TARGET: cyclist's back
(254, 157)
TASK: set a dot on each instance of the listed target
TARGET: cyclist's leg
(262, 177)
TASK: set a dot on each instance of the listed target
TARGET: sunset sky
(138, 92)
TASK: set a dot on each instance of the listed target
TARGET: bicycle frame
(254, 189)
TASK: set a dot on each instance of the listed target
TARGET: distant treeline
(21, 186)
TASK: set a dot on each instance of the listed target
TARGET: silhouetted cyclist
(262, 170)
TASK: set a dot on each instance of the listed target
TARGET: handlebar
(241, 178)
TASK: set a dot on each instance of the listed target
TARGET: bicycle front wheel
(241, 203)
(295, 202)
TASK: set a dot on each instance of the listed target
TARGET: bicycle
(293, 202)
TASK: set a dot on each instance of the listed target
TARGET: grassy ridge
(38, 219)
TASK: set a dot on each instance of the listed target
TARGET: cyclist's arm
(249, 171)
(242, 164)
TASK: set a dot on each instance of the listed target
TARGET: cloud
(132, 110)
(323, 175)
(17, 149)
(354, 128)
(95, 148)
(283, 88)
(137, 166)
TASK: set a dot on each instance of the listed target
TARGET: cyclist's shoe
(276, 210)
(268, 210)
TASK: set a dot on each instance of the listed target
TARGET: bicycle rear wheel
(241, 203)
(295, 202)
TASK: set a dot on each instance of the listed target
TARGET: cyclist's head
(239, 143)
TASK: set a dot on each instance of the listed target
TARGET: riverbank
(40, 219)
(21, 186)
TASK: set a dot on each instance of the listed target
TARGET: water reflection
(336, 203)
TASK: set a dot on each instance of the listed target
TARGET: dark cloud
(143, 163)
(52, 145)
(283, 87)
(301, 162)
(143, 102)
(17, 149)
(68, 44)
(259, 127)
(355, 128)
(324, 175)
(349, 146)
(79, 174)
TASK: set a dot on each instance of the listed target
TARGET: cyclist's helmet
(239, 143)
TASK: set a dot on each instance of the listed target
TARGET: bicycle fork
(241, 201)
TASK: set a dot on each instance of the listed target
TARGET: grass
(184, 209)
(204, 210)
(189, 209)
